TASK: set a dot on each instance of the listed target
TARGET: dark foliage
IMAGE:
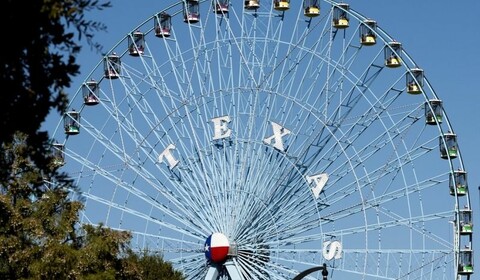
(40, 233)
(37, 63)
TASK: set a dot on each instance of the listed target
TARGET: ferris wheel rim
(385, 39)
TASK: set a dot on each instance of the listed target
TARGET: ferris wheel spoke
(413, 225)
(383, 198)
(395, 264)
(144, 217)
(181, 201)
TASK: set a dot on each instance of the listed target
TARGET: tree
(36, 65)
(37, 62)
(40, 234)
(40, 238)
(35, 220)
(149, 266)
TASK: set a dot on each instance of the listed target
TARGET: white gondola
(465, 221)
(281, 5)
(58, 154)
(191, 11)
(163, 25)
(71, 121)
(414, 82)
(252, 4)
(136, 43)
(458, 183)
(367, 31)
(448, 146)
(465, 266)
(220, 6)
(91, 93)
(111, 66)
(311, 8)
(340, 16)
(393, 52)
(433, 112)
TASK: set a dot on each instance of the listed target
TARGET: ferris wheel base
(232, 269)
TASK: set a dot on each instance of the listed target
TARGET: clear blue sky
(442, 37)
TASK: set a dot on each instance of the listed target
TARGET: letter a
(320, 181)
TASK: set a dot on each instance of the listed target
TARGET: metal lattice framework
(302, 132)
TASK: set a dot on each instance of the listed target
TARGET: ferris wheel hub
(217, 247)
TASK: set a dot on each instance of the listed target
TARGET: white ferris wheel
(257, 139)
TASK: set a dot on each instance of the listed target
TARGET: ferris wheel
(257, 139)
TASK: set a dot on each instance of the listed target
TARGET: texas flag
(216, 247)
